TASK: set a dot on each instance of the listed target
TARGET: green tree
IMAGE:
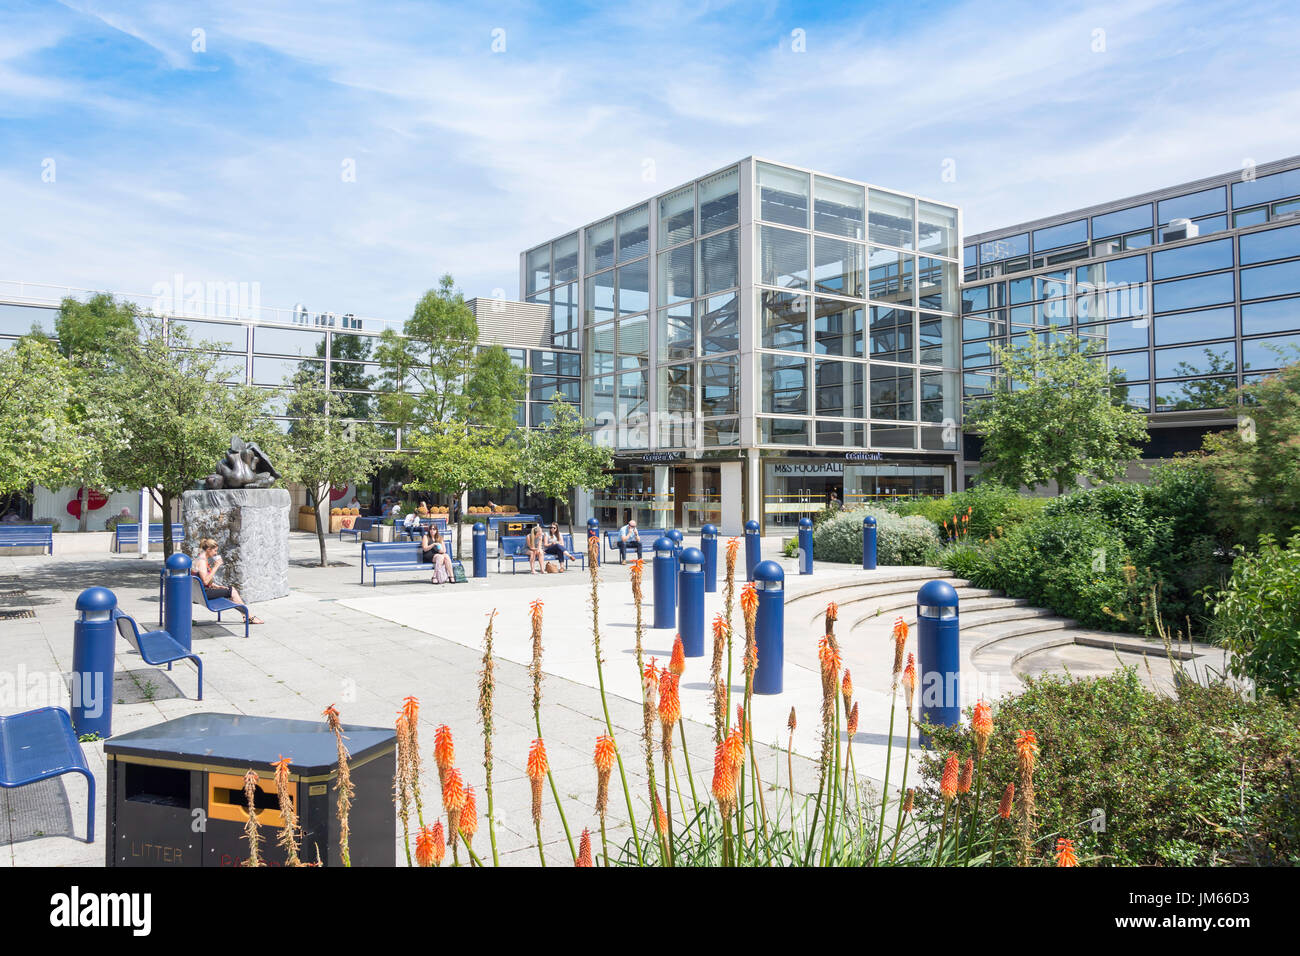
(451, 459)
(560, 458)
(38, 432)
(1056, 415)
(1256, 466)
(325, 446)
(435, 373)
(177, 413)
(91, 326)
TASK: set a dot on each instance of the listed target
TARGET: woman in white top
(533, 545)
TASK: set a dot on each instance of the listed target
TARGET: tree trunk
(168, 544)
(85, 507)
(321, 521)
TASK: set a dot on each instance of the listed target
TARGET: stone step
(892, 599)
(987, 635)
(881, 576)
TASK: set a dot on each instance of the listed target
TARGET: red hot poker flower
(967, 777)
(948, 782)
(444, 749)
(1004, 807)
(1065, 853)
(677, 663)
(584, 849)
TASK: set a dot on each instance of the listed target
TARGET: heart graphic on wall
(94, 499)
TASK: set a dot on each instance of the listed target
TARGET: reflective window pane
(891, 276)
(537, 266)
(720, 324)
(1132, 366)
(840, 208)
(600, 245)
(1066, 234)
(1193, 205)
(1196, 393)
(784, 384)
(677, 331)
(677, 217)
(1266, 189)
(783, 431)
(634, 287)
(1270, 244)
(719, 388)
(1122, 221)
(1269, 353)
(600, 297)
(893, 393)
(839, 267)
(938, 340)
(1195, 326)
(719, 201)
(566, 259)
(1008, 247)
(1196, 360)
(1266, 281)
(937, 284)
(723, 431)
(1281, 315)
(937, 229)
(891, 334)
(268, 338)
(719, 262)
(839, 388)
(633, 233)
(837, 328)
(783, 317)
(1187, 260)
(1189, 293)
(892, 436)
(677, 275)
(891, 219)
(783, 257)
(782, 196)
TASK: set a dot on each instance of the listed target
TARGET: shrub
(899, 540)
(994, 508)
(1201, 778)
(1257, 617)
(969, 561)
(1074, 565)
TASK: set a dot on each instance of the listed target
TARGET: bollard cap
(805, 523)
(936, 594)
(692, 559)
(768, 576)
(751, 526)
(868, 522)
(96, 599)
(664, 547)
(178, 563)
(675, 535)
(709, 531)
(479, 528)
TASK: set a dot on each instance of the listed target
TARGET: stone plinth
(251, 528)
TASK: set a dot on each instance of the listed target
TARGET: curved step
(878, 578)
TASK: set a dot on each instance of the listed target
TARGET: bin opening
(161, 786)
(226, 799)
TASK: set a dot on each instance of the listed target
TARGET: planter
(339, 522)
(307, 521)
(380, 534)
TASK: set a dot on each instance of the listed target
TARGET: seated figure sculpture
(244, 466)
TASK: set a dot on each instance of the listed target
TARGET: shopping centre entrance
(795, 488)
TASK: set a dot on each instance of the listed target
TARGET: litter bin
(176, 791)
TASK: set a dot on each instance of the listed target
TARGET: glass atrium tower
(758, 339)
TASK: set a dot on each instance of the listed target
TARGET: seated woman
(433, 549)
(553, 547)
(533, 545)
(205, 569)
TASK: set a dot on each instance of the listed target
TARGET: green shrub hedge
(899, 540)
(1257, 617)
(994, 508)
(1202, 778)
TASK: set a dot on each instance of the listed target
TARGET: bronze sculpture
(244, 466)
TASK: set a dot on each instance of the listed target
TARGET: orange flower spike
(967, 777)
(439, 844)
(832, 613)
(677, 663)
(900, 629)
(411, 710)
(1004, 807)
(535, 611)
(909, 800)
(650, 684)
(724, 782)
(453, 792)
(792, 722)
(444, 749)
(537, 765)
(846, 689)
(584, 849)
(735, 750)
(749, 599)
(469, 816)
(605, 755)
(948, 782)
(1027, 751)
(733, 548)
(852, 724)
(330, 713)
(909, 679)
(638, 567)
(670, 706)
(1065, 853)
(719, 627)
(424, 847)
(829, 657)
(981, 725)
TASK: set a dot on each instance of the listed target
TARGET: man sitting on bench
(628, 538)
(205, 569)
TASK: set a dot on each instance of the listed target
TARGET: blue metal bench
(41, 744)
(494, 522)
(218, 605)
(512, 547)
(359, 527)
(156, 647)
(129, 534)
(398, 556)
(647, 538)
(27, 536)
(424, 525)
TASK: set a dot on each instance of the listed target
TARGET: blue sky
(225, 164)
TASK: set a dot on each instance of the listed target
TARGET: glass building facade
(758, 338)
(1190, 291)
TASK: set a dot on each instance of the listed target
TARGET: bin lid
(249, 741)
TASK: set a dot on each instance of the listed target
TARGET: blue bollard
(868, 543)
(178, 604)
(479, 535)
(709, 548)
(938, 655)
(690, 607)
(769, 628)
(593, 531)
(752, 555)
(805, 546)
(665, 565)
(676, 537)
(93, 638)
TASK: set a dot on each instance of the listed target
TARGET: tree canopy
(1056, 415)
(561, 457)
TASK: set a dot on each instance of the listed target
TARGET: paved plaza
(333, 640)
